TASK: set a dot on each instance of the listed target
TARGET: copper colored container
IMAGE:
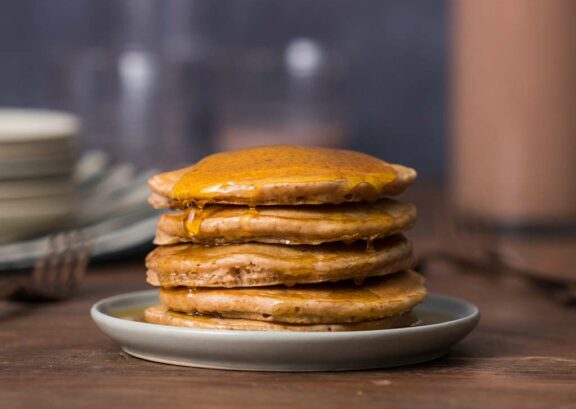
(514, 134)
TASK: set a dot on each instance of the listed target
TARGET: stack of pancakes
(284, 238)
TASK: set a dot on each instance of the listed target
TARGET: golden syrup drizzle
(252, 211)
(359, 281)
(290, 282)
(370, 245)
(242, 174)
(187, 212)
(131, 314)
(193, 217)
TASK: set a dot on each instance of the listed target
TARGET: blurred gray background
(393, 84)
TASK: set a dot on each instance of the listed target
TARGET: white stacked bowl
(37, 157)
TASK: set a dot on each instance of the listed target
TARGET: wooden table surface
(522, 355)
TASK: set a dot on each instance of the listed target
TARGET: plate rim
(65, 125)
(98, 315)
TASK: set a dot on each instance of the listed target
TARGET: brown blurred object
(514, 134)
(515, 105)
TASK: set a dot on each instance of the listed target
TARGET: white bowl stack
(37, 157)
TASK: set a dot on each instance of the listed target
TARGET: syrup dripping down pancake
(221, 224)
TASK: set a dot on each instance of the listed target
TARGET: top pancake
(281, 175)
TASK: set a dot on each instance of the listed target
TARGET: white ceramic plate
(29, 216)
(446, 321)
(30, 167)
(32, 125)
(35, 133)
(35, 188)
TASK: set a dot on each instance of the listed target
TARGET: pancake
(257, 264)
(280, 175)
(161, 315)
(220, 224)
(326, 303)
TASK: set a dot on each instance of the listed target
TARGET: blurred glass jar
(292, 95)
(146, 96)
(514, 136)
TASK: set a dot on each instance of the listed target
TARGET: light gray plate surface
(446, 321)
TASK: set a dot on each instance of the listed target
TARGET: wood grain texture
(522, 355)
